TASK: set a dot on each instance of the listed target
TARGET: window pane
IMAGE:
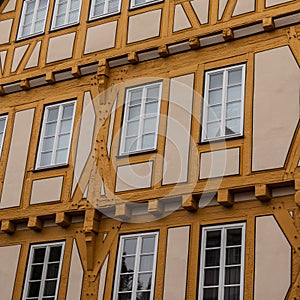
(211, 276)
(234, 237)
(129, 246)
(48, 144)
(63, 141)
(135, 96)
(143, 296)
(232, 275)
(61, 156)
(99, 9)
(36, 272)
(113, 6)
(233, 109)
(74, 5)
(146, 263)
(65, 126)
(212, 258)
(34, 289)
(68, 111)
(130, 144)
(125, 282)
(60, 20)
(234, 93)
(148, 141)
(50, 129)
(210, 294)
(232, 126)
(215, 97)
(232, 293)
(148, 244)
(213, 239)
(144, 281)
(233, 256)
(73, 17)
(151, 108)
(62, 8)
(49, 289)
(152, 93)
(126, 296)
(134, 112)
(234, 77)
(216, 81)
(52, 270)
(214, 113)
(45, 159)
(150, 125)
(39, 255)
(128, 264)
(2, 124)
(132, 128)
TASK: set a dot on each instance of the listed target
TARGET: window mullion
(44, 272)
(222, 264)
(142, 119)
(68, 12)
(224, 99)
(55, 143)
(34, 16)
(105, 8)
(136, 268)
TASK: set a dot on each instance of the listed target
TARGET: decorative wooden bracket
(133, 58)
(225, 197)
(268, 24)
(190, 203)
(35, 223)
(155, 207)
(8, 226)
(228, 34)
(63, 219)
(163, 51)
(194, 43)
(263, 192)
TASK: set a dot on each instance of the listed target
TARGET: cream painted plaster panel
(220, 163)
(135, 176)
(243, 7)
(100, 37)
(201, 8)
(10, 6)
(176, 263)
(60, 47)
(272, 261)
(33, 60)
(2, 60)
(46, 190)
(85, 140)
(176, 159)
(276, 2)
(111, 126)
(181, 21)
(75, 275)
(144, 26)
(222, 6)
(9, 258)
(5, 29)
(17, 158)
(276, 107)
(102, 281)
(18, 56)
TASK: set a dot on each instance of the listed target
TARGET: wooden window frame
(106, 13)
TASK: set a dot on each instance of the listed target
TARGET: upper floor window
(3, 121)
(66, 12)
(33, 17)
(222, 262)
(138, 3)
(55, 140)
(223, 108)
(102, 8)
(43, 271)
(141, 118)
(135, 272)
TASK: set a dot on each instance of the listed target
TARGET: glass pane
(130, 144)
(151, 108)
(74, 5)
(127, 264)
(212, 257)
(73, 17)
(214, 113)
(129, 246)
(125, 296)
(61, 156)
(135, 96)
(233, 256)
(210, 294)
(148, 244)
(234, 77)
(134, 112)
(216, 81)
(50, 129)
(36, 272)
(39, 26)
(234, 93)
(63, 141)
(45, 159)
(62, 8)
(49, 289)
(2, 124)
(26, 30)
(143, 296)
(30, 6)
(52, 270)
(234, 237)
(211, 276)
(232, 126)
(132, 128)
(233, 109)
(33, 289)
(43, 3)
(152, 93)
(148, 141)
(144, 281)
(146, 263)
(213, 238)
(68, 111)
(65, 126)
(125, 282)
(60, 20)
(99, 10)
(232, 293)
(39, 255)
(232, 275)
(55, 253)
(113, 6)
(215, 97)
(149, 125)
(213, 130)
(40, 15)
(48, 144)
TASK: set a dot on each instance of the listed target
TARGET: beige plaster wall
(176, 263)
(272, 261)
(201, 8)
(5, 29)
(10, 6)
(275, 107)
(181, 20)
(177, 146)
(102, 281)
(243, 7)
(276, 2)
(46, 190)
(2, 60)
(222, 6)
(34, 57)
(18, 56)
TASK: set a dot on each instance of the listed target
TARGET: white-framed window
(3, 122)
(103, 8)
(33, 18)
(56, 134)
(222, 262)
(223, 105)
(43, 271)
(141, 118)
(139, 3)
(136, 265)
(66, 12)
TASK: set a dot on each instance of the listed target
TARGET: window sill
(47, 168)
(142, 152)
(221, 139)
(131, 8)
